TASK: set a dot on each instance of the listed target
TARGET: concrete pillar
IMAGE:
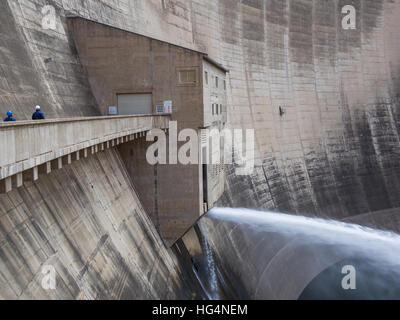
(67, 160)
(101, 146)
(17, 180)
(77, 156)
(48, 167)
(205, 207)
(108, 144)
(6, 185)
(45, 168)
(57, 164)
(35, 173)
(31, 175)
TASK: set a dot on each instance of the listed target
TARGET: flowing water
(374, 254)
(211, 286)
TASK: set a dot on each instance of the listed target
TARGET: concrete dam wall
(334, 152)
(90, 226)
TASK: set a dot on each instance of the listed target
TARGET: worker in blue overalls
(38, 115)
(9, 117)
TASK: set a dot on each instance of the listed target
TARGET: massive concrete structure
(335, 150)
(339, 87)
(139, 74)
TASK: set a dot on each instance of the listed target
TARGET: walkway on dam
(30, 148)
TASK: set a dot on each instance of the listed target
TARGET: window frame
(187, 73)
(179, 72)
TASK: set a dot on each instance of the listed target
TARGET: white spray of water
(349, 237)
(211, 268)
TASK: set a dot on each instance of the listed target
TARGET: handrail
(75, 119)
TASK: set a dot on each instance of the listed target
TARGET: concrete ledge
(28, 148)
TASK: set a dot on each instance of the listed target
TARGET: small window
(216, 82)
(187, 76)
(213, 109)
(220, 109)
(224, 84)
(206, 77)
(160, 109)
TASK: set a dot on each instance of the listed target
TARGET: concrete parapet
(30, 148)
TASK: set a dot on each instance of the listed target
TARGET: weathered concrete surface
(60, 86)
(169, 193)
(89, 225)
(124, 62)
(336, 150)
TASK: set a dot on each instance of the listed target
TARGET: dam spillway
(279, 256)
(323, 102)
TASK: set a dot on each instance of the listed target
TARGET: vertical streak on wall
(156, 217)
(38, 62)
(304, 128)
(327, 86)
(279, 76)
